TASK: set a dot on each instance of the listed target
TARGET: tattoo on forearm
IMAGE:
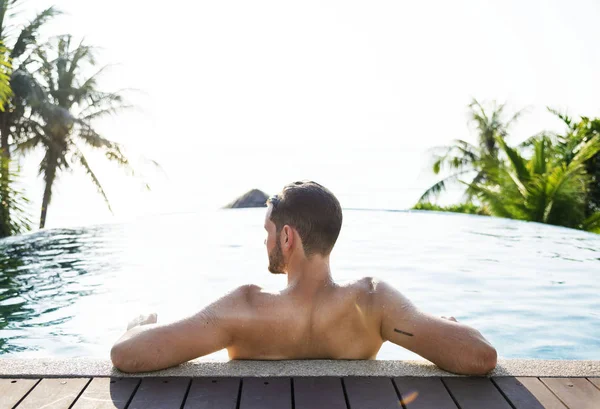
(402, 332)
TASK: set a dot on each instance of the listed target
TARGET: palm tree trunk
(4, 132)
(4, 199)
(50, 175)
(4, 177)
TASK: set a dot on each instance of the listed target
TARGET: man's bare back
(333, 322)
(312, 318)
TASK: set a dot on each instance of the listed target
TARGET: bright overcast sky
(239, 94)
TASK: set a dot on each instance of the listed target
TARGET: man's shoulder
(366, 284)
(248, 288)
(246, 292)
(362, 291)
(373, 289)
(252, 295)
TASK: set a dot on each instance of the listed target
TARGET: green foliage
(5, 74)
(467, 208)
(592, 223)
(549, 178)
(14, 217)
(16, 91)
(542, 188)
(576, 134)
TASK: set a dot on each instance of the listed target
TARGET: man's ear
(287, 237)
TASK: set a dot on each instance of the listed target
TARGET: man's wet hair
(313, 211)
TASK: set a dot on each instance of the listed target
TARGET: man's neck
(309, 274)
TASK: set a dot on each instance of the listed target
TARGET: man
(313, 317)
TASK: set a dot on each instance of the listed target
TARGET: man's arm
(150, 346)
(452, 346)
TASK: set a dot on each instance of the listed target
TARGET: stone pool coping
(89, 367)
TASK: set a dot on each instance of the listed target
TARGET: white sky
(233, 95)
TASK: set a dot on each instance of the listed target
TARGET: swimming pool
(533, 290)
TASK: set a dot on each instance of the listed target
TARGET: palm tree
(13, 215)
(20, 80)
(15, 92)
(544, 188)
(64, 118)
(465, 160)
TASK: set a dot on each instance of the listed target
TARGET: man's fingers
(143, 320)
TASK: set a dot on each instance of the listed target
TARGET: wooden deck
(301, 393)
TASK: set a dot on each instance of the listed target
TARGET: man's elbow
(478, 362)
(485, 362)
(122, 360)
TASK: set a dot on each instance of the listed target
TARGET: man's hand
(142, 320)
(449, 318)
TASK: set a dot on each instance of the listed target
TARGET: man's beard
(276, 263)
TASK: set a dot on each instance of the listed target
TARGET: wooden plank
(160, 393)
(475, 393)
(371, 393)
(54, 393)
(576, 393)
(595, 381)
(423, 393)
(13, 390)
(216, 393)
(525, 393)
(318, 392)
(266, 393)
(107, 393)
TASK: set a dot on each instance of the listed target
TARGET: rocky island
(253, 198)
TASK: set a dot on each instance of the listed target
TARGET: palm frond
(592, 223)
(457, 156)
(5, 74)
(88, 87)
(28, 35)
(563, 117)
(29, 144)
(440, 186)
(514, 118)
(81, 53)
(588, 150)
(46, 69)
(566, 195)
(97, 105)
(531, 140)
(517, 162)
(93, 138)
(79, 157)
(539, 158)
(105, 112)
(495, 200)
(14, 216)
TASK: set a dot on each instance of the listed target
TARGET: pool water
(533, 290)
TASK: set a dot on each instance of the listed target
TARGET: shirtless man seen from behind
(313, 317)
